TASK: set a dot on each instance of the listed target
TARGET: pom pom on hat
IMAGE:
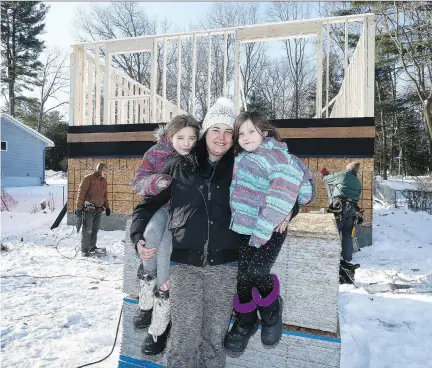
(222, 112)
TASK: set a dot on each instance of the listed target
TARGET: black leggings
(254, 266)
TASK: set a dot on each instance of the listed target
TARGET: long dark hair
(259, 121)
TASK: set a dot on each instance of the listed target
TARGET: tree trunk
(40, 117)
(12, 70)
(427, 105)
(11, 97)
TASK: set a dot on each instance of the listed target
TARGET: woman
(205, 250)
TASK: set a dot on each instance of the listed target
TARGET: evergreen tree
(56, 130)
(258, 103)
(22, 23)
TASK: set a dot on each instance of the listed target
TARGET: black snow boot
(271, 318)
(270, 308)
(154, 345)
(142, 318)
(244, 327)
(347, 272)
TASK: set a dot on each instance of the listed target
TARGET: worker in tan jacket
(91, 200)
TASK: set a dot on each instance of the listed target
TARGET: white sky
(60, 18)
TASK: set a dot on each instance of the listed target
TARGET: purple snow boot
(270, 309)
(244, 327)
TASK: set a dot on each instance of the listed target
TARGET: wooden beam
(179, 73)
(72, 71)
(237, 76)
(225, 61)
(319, 73)
(370, 96)
(90, 92)
(209, 72)
(110, 137)
(98, 85)
(129, 45)
(153, 84)
(194, 67)
(79, 116)
(327, 68)
(333, 132)
(107, 88)
(164, 79)
(278, 31)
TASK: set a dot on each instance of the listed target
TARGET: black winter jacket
(200, 212)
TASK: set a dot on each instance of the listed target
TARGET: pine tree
(258, 102)
(56, 130)
(22, 23)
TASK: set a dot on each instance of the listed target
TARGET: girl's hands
(284, 224)
(145, 253)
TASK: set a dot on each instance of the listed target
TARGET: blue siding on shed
(24, 157)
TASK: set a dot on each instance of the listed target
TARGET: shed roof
(11, 119)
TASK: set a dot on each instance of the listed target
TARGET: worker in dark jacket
(345, 195)
(205, 250)
(92, 200)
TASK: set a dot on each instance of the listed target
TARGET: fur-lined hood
(161, 137)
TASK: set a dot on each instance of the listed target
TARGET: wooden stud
(209, 72)
(164, 78)
(179, 73)
(89, 92)
(225, 61)
(319, 74)
(107, 89)
(98, 85)
(346, 69)
(153, 84)
(327, 68)
(72, 87)
(193, 72)
(237, 76)
(370, 62)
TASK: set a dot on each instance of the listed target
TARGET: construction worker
(345, 196)
(91, 200)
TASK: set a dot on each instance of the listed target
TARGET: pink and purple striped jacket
(154, 160)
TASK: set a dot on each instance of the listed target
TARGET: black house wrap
(108, 140)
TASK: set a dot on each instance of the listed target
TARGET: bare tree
(52, 81)
(298, 68)
(273, 88)
(225, 15)
(410, 27)
(119, 20)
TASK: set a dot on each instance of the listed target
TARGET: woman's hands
(145, 253)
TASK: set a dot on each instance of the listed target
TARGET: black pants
(254, 266)
(345, 224)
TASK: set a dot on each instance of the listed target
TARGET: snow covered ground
(401, 183)
(60, 312)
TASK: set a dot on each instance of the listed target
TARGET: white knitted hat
(222, 112)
